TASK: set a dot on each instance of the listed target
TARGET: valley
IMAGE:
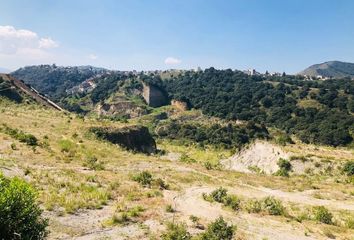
(92, 188)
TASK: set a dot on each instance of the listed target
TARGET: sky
(274, 35)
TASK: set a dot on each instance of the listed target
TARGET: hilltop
(331, 69)
(55, 80)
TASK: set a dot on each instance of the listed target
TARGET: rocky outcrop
(260, 154)
(24, 89)
(154, 96)
(122, 108)
(135, 138)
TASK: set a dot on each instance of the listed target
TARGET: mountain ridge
(330, 69)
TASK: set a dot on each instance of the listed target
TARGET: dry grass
(67, 184)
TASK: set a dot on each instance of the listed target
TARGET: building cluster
(253, 72)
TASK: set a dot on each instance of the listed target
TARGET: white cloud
(172, 61)
(92, 56)
(24, 43)
(47, 43)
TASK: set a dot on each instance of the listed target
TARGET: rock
(135, 138)
(154, 96)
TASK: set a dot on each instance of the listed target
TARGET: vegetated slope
(92, 189)
(333, 69)
(276, 101)
(16, 90)
(53, 80)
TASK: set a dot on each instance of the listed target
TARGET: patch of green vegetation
(220, 195)
(144, 178)
(93, 163)
(176, 231)
(67, 146)
(20, 215)
(284, 168)
(273, 206)
(322, 214)
(348, 168)
(219, 230)
(227, 137)
(19, 135)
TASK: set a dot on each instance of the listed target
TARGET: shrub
(218, 230)
(66, 146)
(176, 231)
(144, 178)
(185, 158)
(162, 184)
(170, 209)
(122, 218)
(349, 223)
(20, 216)
(253, 206)
(211, 166)
(284, 167)
(219, 194)
(272, 206)
(283, 139)
(321, 214)
(27, 138)
(93, 163)
(233, 202)
(348, 168)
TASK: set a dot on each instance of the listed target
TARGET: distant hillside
(16, 90)
(334, 69)
(53, 80)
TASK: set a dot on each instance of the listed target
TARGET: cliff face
(135, 138)
(122, 108)
(154, 96)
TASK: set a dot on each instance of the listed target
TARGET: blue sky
(274, 35)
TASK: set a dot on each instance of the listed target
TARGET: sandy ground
(190, 202)
(261, 154)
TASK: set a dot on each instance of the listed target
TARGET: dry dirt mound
(260, 155)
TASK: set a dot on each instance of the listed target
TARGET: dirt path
(190, 202)
(302, 198)
(87, 225)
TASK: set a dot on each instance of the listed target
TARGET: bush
(218, 230)
(284, 167)
(162, 184)
(321, 214)
(144, 178)
(253, 206)
(93, 163)
(169, 209)
(20, 216)
(27, 138)
(176, 231)
(66, 146)
(233, 202)
(348, 168)
(272, 206)
(219, 194)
